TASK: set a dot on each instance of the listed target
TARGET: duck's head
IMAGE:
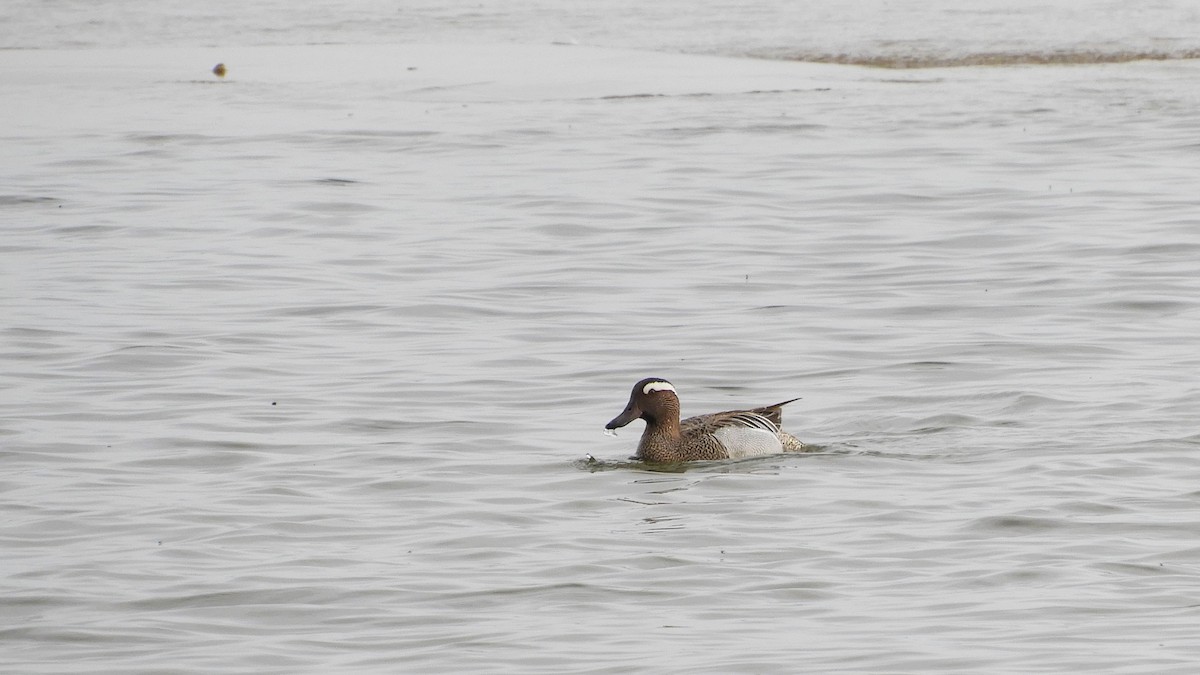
(652, 399)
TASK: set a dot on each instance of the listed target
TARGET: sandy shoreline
(470, 72)
(273, 88)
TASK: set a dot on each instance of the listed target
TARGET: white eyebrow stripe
(658, 385)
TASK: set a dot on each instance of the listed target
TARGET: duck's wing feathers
(768, 418)
(710, 424)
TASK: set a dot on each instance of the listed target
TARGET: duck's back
(753, 418)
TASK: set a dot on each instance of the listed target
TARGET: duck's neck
(660, 440)
(666, 429)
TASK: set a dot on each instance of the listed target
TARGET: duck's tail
(774, 412)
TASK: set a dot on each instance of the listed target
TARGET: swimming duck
(725, 435)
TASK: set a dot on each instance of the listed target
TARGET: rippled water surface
(306, 368)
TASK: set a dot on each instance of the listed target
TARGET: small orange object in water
(219, 70)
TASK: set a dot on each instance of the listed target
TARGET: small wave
(1001, 58)
(28, 200)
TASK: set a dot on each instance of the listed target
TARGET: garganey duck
(725, 435)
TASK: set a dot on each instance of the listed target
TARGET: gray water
(303, 367)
